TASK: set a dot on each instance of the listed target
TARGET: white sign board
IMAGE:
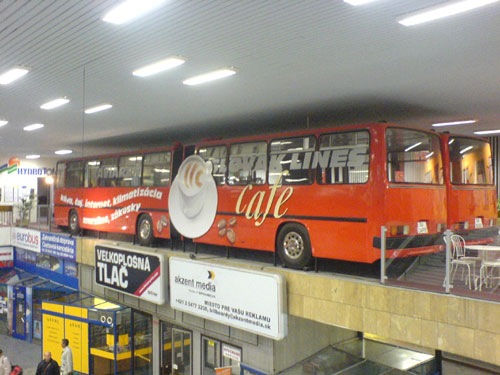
(6, 253)
(231, 352)
(250, 300)
(27, 239)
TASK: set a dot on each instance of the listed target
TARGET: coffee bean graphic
(221, 224)
(222, 232)
(232, 222)
(231, 236)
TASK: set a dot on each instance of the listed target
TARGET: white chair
(459, 258)
(486, 272)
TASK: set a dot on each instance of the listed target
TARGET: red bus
(471, 193)
(315, 193)
(124, 193)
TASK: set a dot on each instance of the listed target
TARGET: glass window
(156, 170)
(91, 173)
(61, 168)
(102, 341)
(470, 161)
(291, 159)
(143, 349)
(129, 173)
(74, 174)
(210, 356)
(343, 158)
(230, 355)
(413, 157)
(247, 163)
(108, 172)
(217, 155)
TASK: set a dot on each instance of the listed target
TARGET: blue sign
(58, 246)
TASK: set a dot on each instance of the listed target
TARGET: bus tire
(294, 246)
(145, 232)
(74, 223)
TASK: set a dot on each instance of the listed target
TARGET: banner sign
(137, 273)
(6, 257)
(231, 352)
(27, 239)
(58, 246)
(250, 300)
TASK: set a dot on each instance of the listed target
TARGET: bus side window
(91, 173)
(291, 159)
(130, 170)
(61, 168)
(74, 174)
(343, 158)
(247, 163)
(156, 170)
(218, 156)
(108, 172)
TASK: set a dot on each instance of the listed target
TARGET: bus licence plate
(422, 227)
(478, 223)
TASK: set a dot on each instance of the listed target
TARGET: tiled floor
(21, 353)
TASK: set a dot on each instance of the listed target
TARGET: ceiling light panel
(98, 108)
(55, 103)
(131, 9)
(452, 123)
(12, 75)
(158, 67)
(34, 156)
(449, 8)
(63, 152)
(210, 76)
(484, 132)
(358, 2)
(3, 122)
(32, 127)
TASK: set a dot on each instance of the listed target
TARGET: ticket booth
(106, 338)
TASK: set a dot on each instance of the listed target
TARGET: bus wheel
(145, 230)
(294, 246)
(74, 224)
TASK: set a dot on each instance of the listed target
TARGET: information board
(53, 330)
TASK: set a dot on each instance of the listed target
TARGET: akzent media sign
(140, 274)
(254, 301)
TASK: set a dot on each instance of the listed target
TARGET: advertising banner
(250, 300)
(58, 245)
(6, 257)
(137, 273)
(25, 239)
(53, 329)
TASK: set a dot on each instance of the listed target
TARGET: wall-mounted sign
(6, 257)
(26, 239)
(138, 273)
(231, 352)
(58, 245)
(250, 300)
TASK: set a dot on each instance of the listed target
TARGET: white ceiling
(300, 63)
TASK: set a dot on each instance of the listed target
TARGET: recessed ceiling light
(54, 103)
(12, 75)
(487, 132)
(34, 156)
(32, 127)
(358, 2)
(158, 67)
(210, 76)
(454, 123)
(130, 9)
(98, 108)
(3, 122)
(63, 152)
(446, 9)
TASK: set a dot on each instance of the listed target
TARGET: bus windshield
(470, 161)
(413, 157)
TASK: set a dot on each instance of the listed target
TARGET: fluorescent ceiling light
(13, 74)
(429, 155)
(32, 127)
(358, 2)
(454, 123)
(446, 9)
(466, 149)
(210, 76)
(98, 108)
(130, 9)
(413, 146)
(3, 122)
(54, 103)
(487, 132)
(158, 67)
(63, 152)
(34, 156)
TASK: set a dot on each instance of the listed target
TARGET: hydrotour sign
(138, 273)
(250, 300)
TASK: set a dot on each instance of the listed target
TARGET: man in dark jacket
(47, 366)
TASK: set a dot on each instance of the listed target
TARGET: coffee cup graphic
(193, 197)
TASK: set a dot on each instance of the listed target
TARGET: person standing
(66, 358)
(47, 365)
(5, 366)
